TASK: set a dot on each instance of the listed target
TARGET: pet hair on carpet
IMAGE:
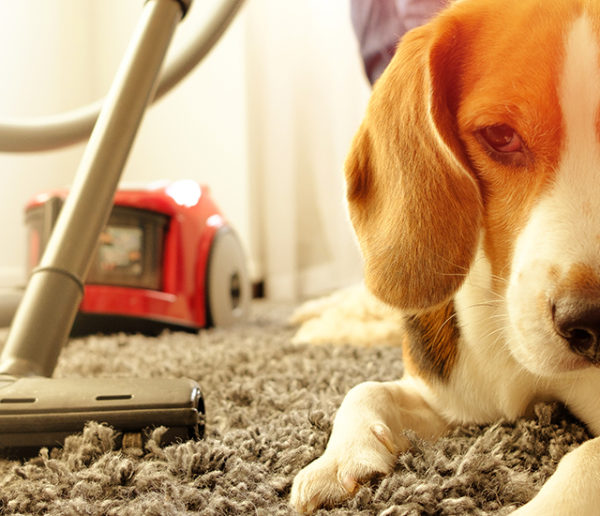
(350, 315)
(270, 405)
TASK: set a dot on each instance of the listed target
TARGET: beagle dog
(473, 186)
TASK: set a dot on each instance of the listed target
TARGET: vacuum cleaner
(35, 409)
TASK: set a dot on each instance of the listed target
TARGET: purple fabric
(379, 24)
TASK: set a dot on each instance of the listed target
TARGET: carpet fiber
(270, 405)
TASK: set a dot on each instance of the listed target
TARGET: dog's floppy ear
(414, 203)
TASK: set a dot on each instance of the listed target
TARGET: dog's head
(483, 134)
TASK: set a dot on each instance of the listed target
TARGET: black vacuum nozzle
(37, 412)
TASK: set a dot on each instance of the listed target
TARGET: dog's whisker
(448, 319)
(453, 264)
(452, 274)
(486, 288)
(498, 333)
(492, 303)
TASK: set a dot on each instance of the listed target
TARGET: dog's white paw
(337, 474)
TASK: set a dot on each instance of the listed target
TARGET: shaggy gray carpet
(270, 406)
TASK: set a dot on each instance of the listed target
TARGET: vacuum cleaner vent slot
(114, 397)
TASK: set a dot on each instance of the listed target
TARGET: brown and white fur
(474, 190)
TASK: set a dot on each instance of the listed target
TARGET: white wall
(41, 58)
(265, 121)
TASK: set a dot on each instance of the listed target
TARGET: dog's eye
(502, 138)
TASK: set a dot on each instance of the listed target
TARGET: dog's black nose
(579, 324)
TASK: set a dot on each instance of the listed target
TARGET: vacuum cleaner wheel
(228, 285)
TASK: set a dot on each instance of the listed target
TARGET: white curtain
(307, 94)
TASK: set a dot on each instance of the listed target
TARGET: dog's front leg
(573, 489)
(366, 439)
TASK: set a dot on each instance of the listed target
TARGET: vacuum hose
(53, 132)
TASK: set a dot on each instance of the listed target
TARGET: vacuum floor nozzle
(37, 412)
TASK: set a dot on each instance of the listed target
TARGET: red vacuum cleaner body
(167, 258)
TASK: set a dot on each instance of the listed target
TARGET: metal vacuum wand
(44, 318)
(46, 313)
